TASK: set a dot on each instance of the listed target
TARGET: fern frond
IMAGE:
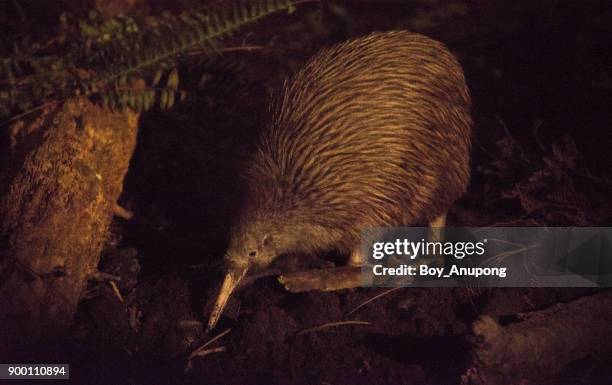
(200, 28)
(107, 55)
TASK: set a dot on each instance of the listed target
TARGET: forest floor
(540, 157)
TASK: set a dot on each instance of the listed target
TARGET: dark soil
(540, 80)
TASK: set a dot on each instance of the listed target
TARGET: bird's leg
(436, 229)
(355, 257)
(436, 234)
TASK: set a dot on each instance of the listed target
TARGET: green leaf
(173, 79)
(163, 100)
(170, 99)
(157, 77)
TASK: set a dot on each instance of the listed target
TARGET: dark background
(540, 77)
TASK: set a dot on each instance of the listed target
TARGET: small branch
(202, 351)
(337, 278)
(122, 212)
(206, 352)
(384, 293)
(195, 352)
(116, 291)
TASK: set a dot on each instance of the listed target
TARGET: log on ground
(541, 343)
(64, 175)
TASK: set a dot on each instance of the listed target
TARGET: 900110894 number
(34, 371)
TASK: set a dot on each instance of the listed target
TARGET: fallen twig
(116, 291)
(322, 279)
(380, 295)
(329, 325)
(122, 212)
(202, 351)
(211, 341)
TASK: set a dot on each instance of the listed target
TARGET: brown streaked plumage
(371, 132)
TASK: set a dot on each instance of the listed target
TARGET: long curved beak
(231, 281)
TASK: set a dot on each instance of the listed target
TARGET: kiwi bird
(371, 132)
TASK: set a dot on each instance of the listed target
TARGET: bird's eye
(253, 253)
